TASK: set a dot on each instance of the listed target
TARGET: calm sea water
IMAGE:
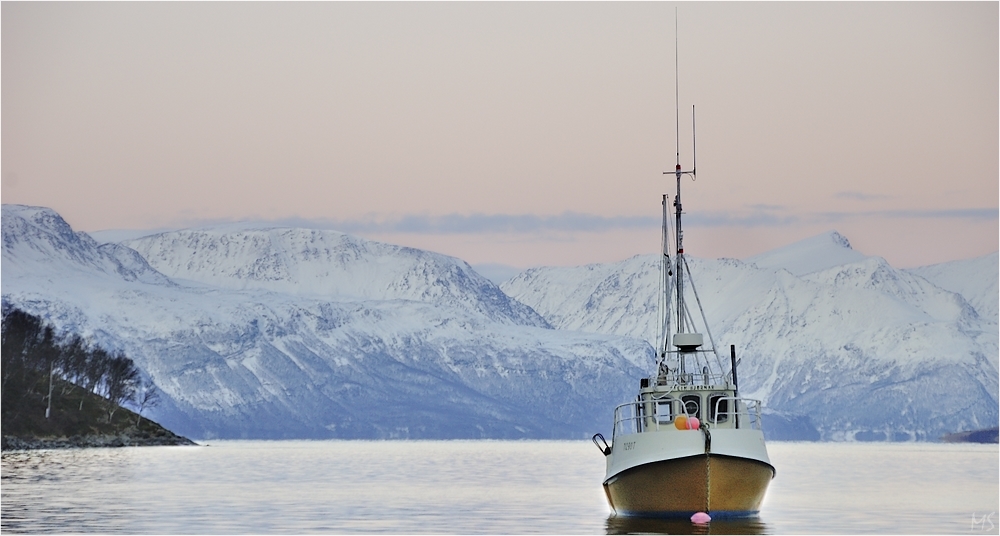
(469, 487)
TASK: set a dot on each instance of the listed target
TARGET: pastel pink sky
(517, 133)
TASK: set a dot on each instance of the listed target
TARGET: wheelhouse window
(692, 405)
(718, 403)
(664, 410)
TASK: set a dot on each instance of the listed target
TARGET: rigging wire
(670, 277)
(661, 298)
(705, 320)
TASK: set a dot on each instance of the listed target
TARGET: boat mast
(685, 338)
(679, 257)
(685, 341)
(679, 240)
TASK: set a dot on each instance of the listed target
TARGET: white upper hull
(634, 450)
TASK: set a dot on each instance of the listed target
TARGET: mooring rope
(708, 485)
(708, 472)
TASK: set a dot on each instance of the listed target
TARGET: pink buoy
(701, 518)
(693, 423)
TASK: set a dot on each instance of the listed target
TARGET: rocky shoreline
(91, 441)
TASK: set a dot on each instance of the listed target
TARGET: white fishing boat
(689, 442)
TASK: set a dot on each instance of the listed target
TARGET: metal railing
(654, 414)
(695, 378)
(745, 412)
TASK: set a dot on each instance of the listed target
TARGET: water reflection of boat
(689, 442)
(653, 525)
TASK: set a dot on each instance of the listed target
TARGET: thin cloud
(450, 223)
(958, 213)
(761, 206)
(760, 218)
(574, 222)
(861, 196)
(498, 223)
(772, 216)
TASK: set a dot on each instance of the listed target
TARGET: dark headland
(61, 392)
(69, 426)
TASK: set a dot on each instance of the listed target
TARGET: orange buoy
(681, 422)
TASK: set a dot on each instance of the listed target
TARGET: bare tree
(34, 357)
(73, 363)
(120, 382)
(148, 397)
(21, 333)
(30, 359)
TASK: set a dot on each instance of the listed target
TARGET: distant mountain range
(827, 335)
(280, 333)
(253, 331)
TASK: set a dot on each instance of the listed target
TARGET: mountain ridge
(276, 332)
(816, 325)
(322, 262)
(443, 359)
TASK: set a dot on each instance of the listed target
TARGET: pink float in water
(701, 518)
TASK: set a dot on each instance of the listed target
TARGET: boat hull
(716, 484)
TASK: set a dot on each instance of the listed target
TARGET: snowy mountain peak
(20, 221)
(38, 240)
(875, 274)
(838, 239)
(966, 277)
(325, 263)
(810, 255)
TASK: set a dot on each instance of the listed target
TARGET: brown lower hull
(704, 483)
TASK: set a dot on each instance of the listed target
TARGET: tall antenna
(694, 146)
(686, 339)
(677, 98)
(677, 112)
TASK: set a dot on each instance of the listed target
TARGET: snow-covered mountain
(263, 332)
(975, 279)
(37, 242)
(326, 264)
(812, 254)
(859, 348)
(256, 331)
